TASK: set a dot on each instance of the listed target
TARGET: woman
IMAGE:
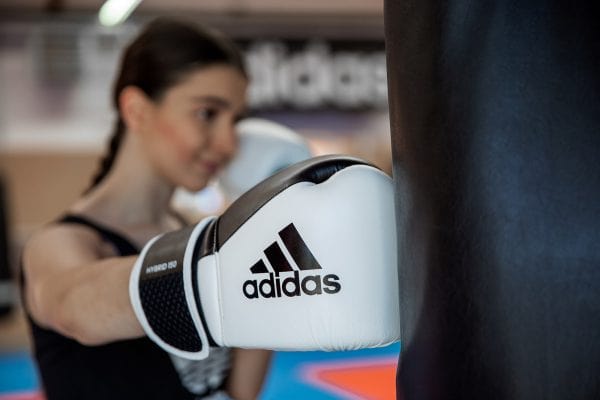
(178, 95)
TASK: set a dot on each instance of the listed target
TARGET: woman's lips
(210, 167)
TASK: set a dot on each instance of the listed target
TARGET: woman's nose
(225, 141)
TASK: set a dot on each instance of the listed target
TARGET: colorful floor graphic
(363, 374)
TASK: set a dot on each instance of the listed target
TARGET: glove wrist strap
(162, 293)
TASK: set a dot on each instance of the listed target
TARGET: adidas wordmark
(293, 285)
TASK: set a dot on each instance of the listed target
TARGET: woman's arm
(248, 373)
(72, 288)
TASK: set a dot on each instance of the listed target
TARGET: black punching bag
(495, 117)
(7, 289)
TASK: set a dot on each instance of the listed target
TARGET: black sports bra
(129, 369)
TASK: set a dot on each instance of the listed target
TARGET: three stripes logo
(279, 282)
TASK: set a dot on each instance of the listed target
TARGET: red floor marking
(22, 396)
(365, 380)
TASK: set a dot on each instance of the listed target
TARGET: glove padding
(306, 260)
(265, 147)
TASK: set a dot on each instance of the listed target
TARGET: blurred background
(316, 66)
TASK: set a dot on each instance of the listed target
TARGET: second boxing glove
(265, 147)
(305, 260)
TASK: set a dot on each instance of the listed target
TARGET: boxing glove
(305, 260)
(265, 147)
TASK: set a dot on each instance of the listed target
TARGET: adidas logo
(287, 285)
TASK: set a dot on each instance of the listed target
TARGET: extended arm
(72, 289)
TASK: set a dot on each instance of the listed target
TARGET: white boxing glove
(306, 260)
(265, 147)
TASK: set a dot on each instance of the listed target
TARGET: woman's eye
(206, 114)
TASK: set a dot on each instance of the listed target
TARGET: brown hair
(157, 59)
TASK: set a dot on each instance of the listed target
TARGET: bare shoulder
(62, 246)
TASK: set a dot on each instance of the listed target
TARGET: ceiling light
(114, 12)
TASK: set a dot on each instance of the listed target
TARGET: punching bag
(495, 118)
(7, 289)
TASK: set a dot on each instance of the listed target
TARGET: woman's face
(190, 135)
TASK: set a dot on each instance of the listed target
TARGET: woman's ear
(134, 105)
